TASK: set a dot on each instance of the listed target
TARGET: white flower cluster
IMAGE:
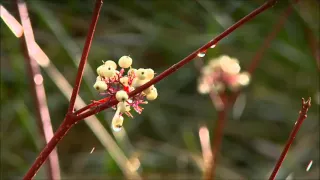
(111, 82)
(221, 73)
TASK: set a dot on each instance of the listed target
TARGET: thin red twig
(217, 139)
(259, 54)
(84, 55)
(184, 61)
(276, 29)
(69, 121)
(303, 115)
(314, 45)
(37, 88)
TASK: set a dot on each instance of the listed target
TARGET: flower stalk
(302, 116)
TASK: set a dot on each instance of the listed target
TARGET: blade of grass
(37, 88)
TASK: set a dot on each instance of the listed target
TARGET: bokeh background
(163, 142)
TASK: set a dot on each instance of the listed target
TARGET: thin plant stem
(38, 91)
(218, 135)
(314, 45)
(183, 62)
(85, 54)
(266, 44)
(302, 116)
(272, 35)
(11, 22)
(69, 121)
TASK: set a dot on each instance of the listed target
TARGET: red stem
(184, 61)
(85, 54)
(58, 135)
(218, 135)
(69, 120)
(258, 55)
(314, 45)
(37, 88)
(276, 29)
(303, 115)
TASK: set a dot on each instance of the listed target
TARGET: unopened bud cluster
(220, 74)
(111, 82)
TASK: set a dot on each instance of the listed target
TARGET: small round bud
(122, 95)
(107, 71)
(244, 78)
(123, 107)
(111, 63)
(137, 82)
(146, 91)
(152, 95)
(230, 65)
(141, 74)
(132, 72)
(124, 80)
(99, 78)
(100, 86)
(99, 70)
(125, 61)
(204, 88)
(150, 73)
(117, 123)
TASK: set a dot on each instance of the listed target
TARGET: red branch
(183, 62)
(277, 27)
(303, 115)
(37, 88)
(258, 55)
(217, 139)
(84, 55)
(69, 121)
(314, 45)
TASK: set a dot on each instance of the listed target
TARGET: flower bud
(141, 74)
(123, 107)
(100, 86)
(132, 72)
(122, 96)
(125, 62)
(124, 80)
(117, 123)
(149, 73)
(107, 71)
(99, 78)
(111, 63)
(244, 78)
(137, 82)
(146, 91)
(152, 95)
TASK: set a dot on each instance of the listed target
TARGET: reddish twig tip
(305, 105)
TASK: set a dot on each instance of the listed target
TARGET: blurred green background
(165, 137)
